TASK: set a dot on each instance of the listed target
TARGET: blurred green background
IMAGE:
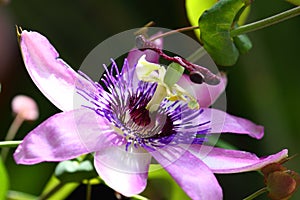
(263, 86)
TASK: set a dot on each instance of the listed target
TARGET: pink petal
(124, 171)
(61, 137)
(55, 78)
(192, 175)
(221, 122)
(135, 54)
(205, 94)
(234, 161)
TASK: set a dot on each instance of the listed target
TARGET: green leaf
(4, 182)
(16, 195)
(195, 8)
(295, 2)
(243, 43)
(162, 186)
(64, 192)
(214, 140)
(75, 171)
(215, 25)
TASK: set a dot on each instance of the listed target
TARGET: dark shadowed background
(263, 86)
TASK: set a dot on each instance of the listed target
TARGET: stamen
(124, 106)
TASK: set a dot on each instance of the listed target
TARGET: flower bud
(280, 181)
(281, 185)
(268, 169)
(25, 107)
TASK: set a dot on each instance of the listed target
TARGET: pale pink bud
(25, 107)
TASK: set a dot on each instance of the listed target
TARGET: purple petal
(192, 175)
(205, 94)
(135, 54)
(221, 122)
(61, 137)
(234, 161)
(55, 79)
(124, 171)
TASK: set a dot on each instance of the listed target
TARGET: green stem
(88, 191)
(139, 197)
(13, 129)
(266, 22)
(256, 194)
(10, 143)
(174, 31)
(51, 192)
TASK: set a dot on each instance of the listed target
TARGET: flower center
(149, 124)
(167, 129)
(138, 112)
(124, 104)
